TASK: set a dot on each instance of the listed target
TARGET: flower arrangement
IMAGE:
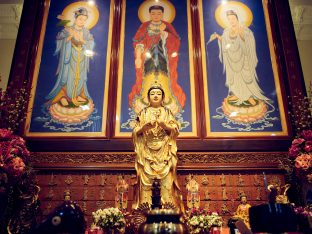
(18, 191)
(304, 217)
(201, 221)
(304, 211)
(109, 218)
(13, 154)
(300, 153)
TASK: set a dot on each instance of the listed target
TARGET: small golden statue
(222, 179)
(207, 195)
(193, 197)
(224, 194)
(121, 198)
(278, 193)
(67, 195)
(242, 211)
(154, 138)
(205, 181)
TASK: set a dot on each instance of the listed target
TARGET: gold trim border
(101, 133)
(284, 131)
(194, 132)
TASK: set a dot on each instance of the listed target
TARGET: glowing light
(273, 134)
(91, 2)
(228, 46)
(93, 13)
(233, 114)
(168, 15)
(244, 13)
(89, 53)
(85, 107)
(174, 54)
(148, 55)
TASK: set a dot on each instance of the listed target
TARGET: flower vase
(111, 231)
(306, 188)
(304, 223)
(96, 230)
(215, 230)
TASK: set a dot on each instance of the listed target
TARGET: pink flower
(307, 134)
(7, 151)
(15, 167)
(308, 146)
(297, 141)
(5, 133)
(293, 151)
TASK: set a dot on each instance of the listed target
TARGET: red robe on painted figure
(172, 45)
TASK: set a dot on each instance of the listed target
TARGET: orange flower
(303, 161)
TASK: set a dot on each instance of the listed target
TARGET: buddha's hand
(165, 126)
(147, 126)
(162, 27)
(138, 62)
(70, 32)
(214, 36)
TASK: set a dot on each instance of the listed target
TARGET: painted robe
(72, 68)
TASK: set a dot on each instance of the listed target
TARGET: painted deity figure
(156, 50)
(237, 52)
(154, 138)
(70, 90)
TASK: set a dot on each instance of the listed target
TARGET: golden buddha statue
(193, 197)
(154, 138)
(242, 211)
(121, 198)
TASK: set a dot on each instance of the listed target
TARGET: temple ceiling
(10, 11)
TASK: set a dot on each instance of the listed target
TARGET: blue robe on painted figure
(73, 66)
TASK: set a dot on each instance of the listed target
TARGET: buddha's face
(155, 97)
(156, 15)
(233, 21)
(244, 200)
(81, 20)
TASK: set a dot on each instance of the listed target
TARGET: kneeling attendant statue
(154, 138)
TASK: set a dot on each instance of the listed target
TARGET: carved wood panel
(219, 191)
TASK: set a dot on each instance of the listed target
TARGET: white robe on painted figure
(239, 63)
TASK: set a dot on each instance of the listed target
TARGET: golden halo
(243, 12)
(169, 13)
(93, 13)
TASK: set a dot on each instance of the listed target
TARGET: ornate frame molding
(187, 160)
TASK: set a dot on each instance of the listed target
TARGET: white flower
(109, 218)
(203, 222)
